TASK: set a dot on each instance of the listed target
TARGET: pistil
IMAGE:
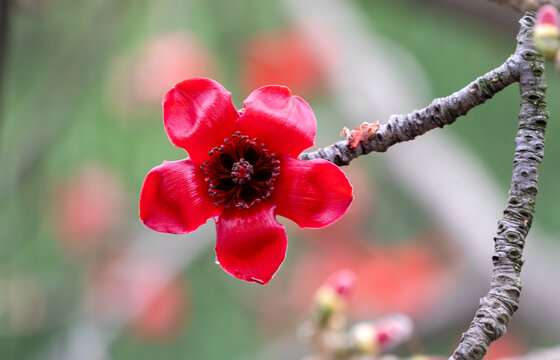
(241, 172)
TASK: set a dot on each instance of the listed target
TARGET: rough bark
(496, 308)
(525, 66)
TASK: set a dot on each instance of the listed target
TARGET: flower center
(240, 172)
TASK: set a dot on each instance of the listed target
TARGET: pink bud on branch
(546, 35)
(383, 335)
(331, 299)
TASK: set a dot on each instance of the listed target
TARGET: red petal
(284, 123)
(198, 114)
(175, 198)
(313, 193)
(251, 244)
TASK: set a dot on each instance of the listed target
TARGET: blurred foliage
(454, 50)
(57, 116)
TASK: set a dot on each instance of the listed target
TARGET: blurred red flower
(139, 81)
(408, 278)
(144, 293)
(87, 207)
(289, 57)
(512, 344)
(242, 170)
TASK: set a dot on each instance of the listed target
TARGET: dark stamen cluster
(240, 172)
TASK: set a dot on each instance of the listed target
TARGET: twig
(496, 308)
(440, 112)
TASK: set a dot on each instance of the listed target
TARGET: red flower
(242, 170)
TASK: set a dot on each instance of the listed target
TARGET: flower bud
(342, 282)
(382, 335)
(334, 294)
(546, 35)
(393, 330)
(365, 337)
(332, 297)
(557, 61)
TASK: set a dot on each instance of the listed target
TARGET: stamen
(240, 172)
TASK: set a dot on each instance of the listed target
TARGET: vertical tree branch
(496, 308)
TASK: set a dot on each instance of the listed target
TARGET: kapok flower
(242, 170)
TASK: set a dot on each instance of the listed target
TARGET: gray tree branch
(496, 308)
(442, 111)
(526, 66)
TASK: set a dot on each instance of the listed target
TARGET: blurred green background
(80, 126)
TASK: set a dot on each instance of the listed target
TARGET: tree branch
(440, 112)
(496, 308)
(526, 66)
